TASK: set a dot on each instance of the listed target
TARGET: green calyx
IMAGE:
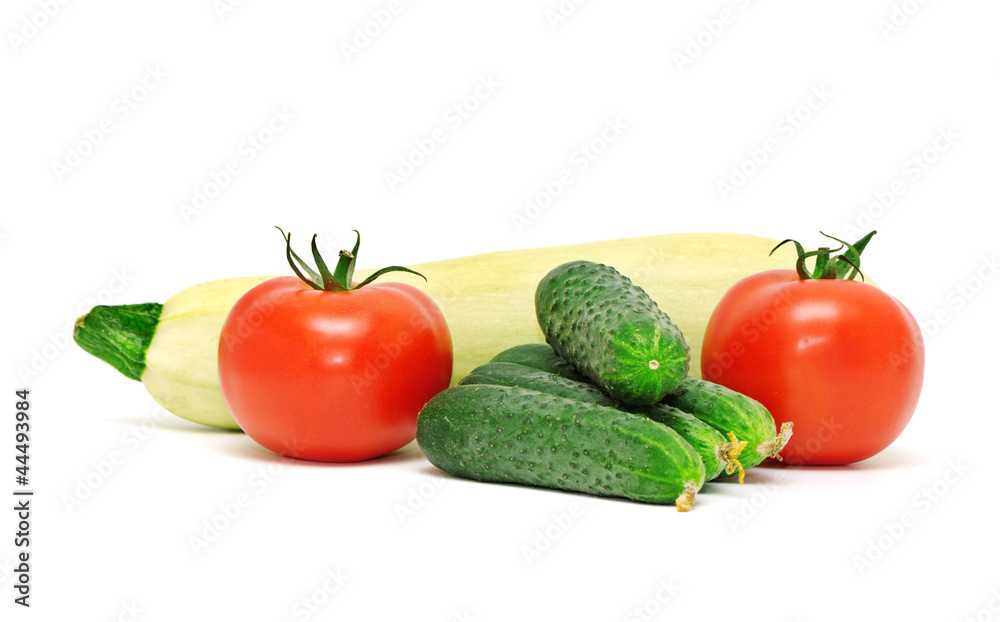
(341, 279)
(844, 266)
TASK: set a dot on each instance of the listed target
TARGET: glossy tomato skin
(332, 376)
(842, 360)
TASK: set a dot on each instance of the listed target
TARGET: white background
(696, 96)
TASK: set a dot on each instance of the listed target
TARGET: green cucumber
(733, 413)
(493, 433)
(715, 450)
(539, 356)
(516, 375)
(711, 445)
(611, 331)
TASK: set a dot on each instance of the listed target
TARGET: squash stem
(119, 335)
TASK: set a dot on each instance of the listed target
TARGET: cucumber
(712, 447)
(611, 331)
(539, 356)
(516, 375)
(733, 413)
(749, 426)
(493, 433)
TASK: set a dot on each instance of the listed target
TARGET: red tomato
(842, 360)
(333, 376)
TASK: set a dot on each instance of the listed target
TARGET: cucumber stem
(686, 499)
(770, 448)
(729, 454)
(119, 335)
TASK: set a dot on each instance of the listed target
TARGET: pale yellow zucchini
(488, 301)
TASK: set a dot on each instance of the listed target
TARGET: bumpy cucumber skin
(611, 331)
(515, 375)
(493, 433)
(727, 411)
(539, 356)
(705, 439)
(723, 409)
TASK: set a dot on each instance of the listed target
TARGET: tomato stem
(345, 265)
(844, 266)
(329, 280)
(341, 279)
